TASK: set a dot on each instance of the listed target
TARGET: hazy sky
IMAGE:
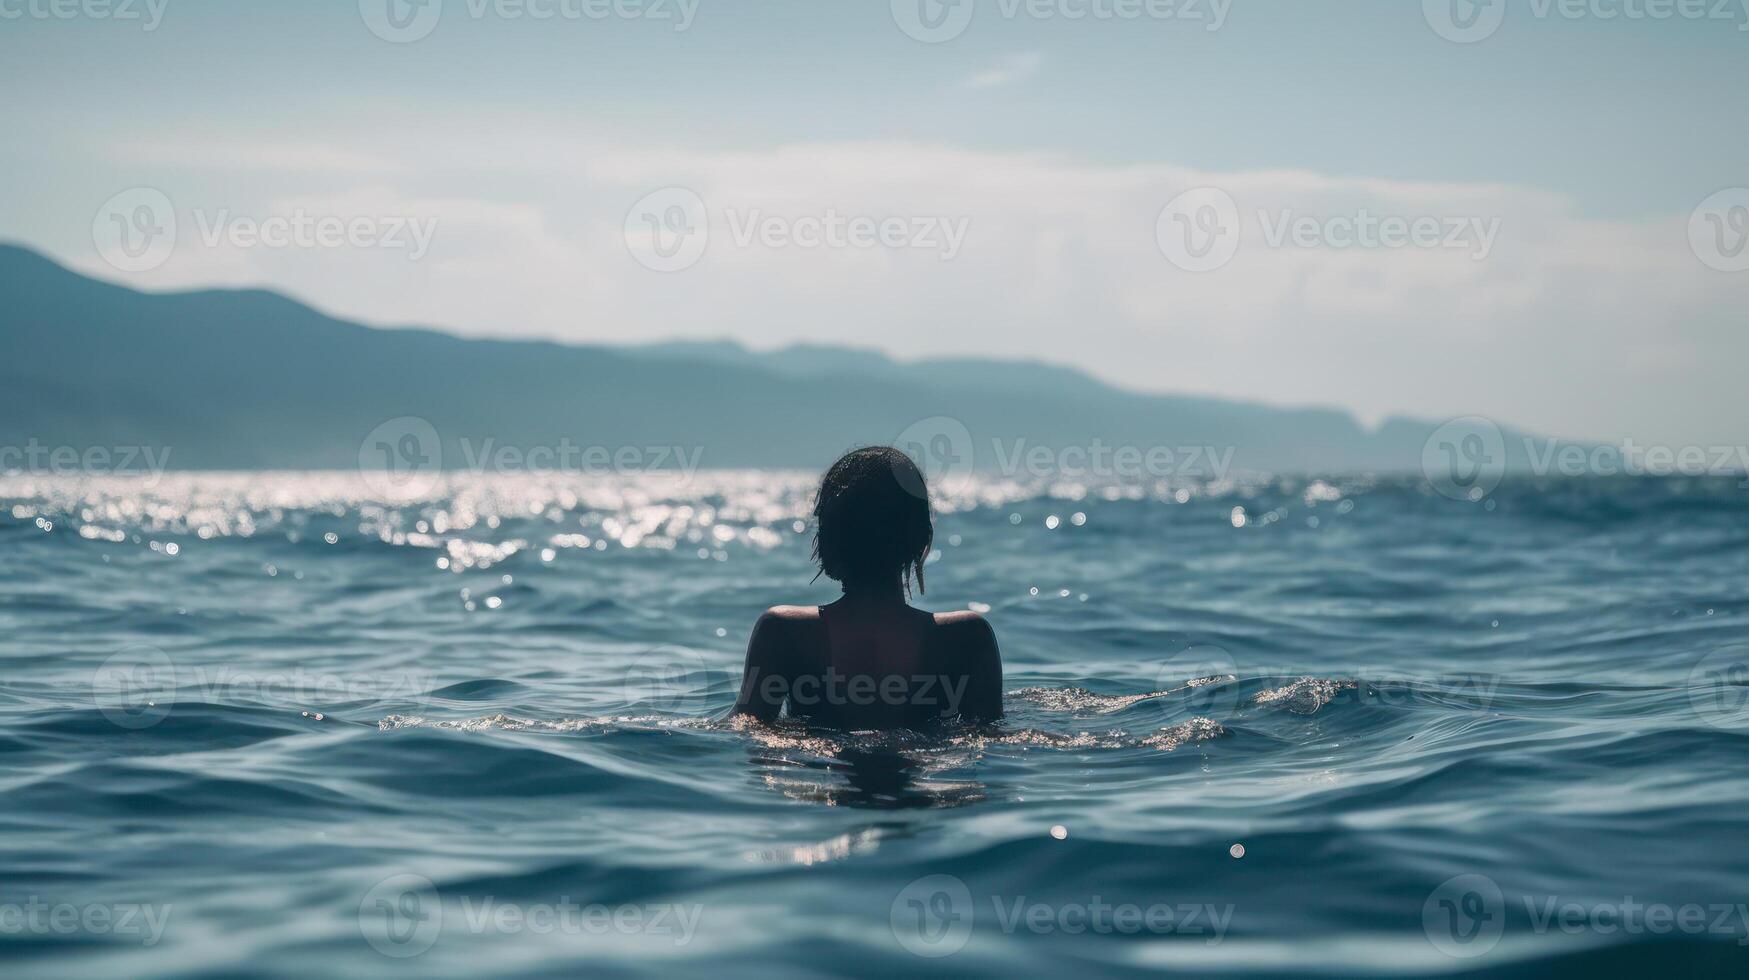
(1434, 208)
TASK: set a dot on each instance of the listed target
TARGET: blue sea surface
(299, 725)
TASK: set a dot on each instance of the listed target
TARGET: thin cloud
(1011, 70)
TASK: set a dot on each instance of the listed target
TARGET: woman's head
(872, 519)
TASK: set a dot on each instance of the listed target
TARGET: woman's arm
(984, 692)
(764, 684)
(974, 641)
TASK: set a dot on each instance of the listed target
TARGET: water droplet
(1237, 850)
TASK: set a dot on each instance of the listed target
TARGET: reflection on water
(516, 687)
(882, 779)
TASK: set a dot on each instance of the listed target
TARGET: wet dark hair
(872, 518)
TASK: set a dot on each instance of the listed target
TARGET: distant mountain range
(249, 379)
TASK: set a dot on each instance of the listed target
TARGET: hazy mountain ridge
(253, 379)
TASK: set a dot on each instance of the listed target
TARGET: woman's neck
(875, 592)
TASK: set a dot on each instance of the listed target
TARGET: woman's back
(871, 660)
(860, 664)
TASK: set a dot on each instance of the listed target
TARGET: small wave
(1304, 696)
(1079, 700)
(1194, 730)
(509, 723)
(786, 735)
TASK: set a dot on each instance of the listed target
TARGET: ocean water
(285, 725)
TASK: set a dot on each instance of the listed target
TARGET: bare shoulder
(792, 614)
(779, 619)
(963, 623)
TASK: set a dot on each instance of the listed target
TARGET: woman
(870, 660)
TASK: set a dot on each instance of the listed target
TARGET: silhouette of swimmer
(871, 660)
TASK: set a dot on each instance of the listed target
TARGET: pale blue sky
(1592, 140)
